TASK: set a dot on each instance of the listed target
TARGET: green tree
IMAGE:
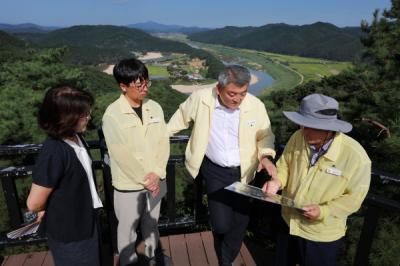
(368, 93)
(369, 97)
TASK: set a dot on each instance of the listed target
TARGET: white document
(152, 202)
(26, 230)
(257, 193)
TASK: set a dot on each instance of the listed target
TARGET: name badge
(155, 119)
(251, 123)
(333, 171)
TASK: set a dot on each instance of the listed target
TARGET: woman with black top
(63, 191)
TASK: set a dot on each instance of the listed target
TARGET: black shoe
(160, 260)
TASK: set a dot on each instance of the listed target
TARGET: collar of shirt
(76, 146)
(86, 162)
(126, 108)
(219, 106)
(316, 154)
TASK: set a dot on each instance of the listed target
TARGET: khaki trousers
(131, 210)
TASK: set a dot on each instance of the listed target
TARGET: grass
(158, 71)
(310, 68)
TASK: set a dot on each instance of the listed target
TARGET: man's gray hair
(238, 75)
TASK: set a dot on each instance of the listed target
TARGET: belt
(223, 167)
(128, 190)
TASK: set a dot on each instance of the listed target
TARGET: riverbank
(109, 70)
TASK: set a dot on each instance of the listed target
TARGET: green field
(158, 71)
(288, 71)
(310, 68)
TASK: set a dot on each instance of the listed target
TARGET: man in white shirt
(231, 139)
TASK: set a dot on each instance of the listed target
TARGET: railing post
(367, 236)
(198, 205)
(171, 204)
(108, 193)
(11, 199)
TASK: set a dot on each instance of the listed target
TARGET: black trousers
(77, 253)
(294, 250)
(229, 211)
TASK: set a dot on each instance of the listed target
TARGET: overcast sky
(202, 13)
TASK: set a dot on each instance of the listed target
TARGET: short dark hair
(129, 70)
(61, 109)
(236, 74)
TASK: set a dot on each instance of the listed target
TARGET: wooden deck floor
(194, 249)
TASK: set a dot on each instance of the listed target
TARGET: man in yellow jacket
(138, 145)
(327, 173)
(231, 138)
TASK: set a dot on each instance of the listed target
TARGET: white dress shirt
(223, 141)
(86, 162)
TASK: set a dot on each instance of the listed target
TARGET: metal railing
(170, 221)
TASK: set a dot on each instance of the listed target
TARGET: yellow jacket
(255, 136)
(338, 183)
(135, 149)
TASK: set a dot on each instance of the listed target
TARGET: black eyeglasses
(140, 85)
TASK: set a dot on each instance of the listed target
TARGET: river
(264, 80)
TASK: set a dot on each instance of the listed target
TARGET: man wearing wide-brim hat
(327, 173)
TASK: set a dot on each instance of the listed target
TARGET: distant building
(194, 76)
(197, 63)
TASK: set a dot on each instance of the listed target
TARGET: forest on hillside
(106, 44)
(318, 40)
(369, 93)
(24, 81)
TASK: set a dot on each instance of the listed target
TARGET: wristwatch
(269, 157)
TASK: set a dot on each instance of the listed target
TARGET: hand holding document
(257, 193)
(26, 230)
(153, 201)
(31, 226)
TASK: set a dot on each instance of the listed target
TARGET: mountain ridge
(319, 39)
(155, 27)
(106, 44)
(26, 27)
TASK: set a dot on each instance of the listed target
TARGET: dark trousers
(294, 250)
(76, 253)
(229, 212)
